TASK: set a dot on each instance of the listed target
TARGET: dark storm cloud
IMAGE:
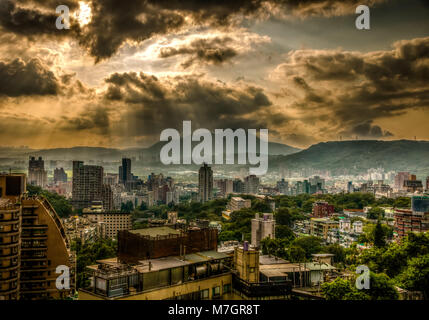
(116, 21)
(18, 78)
(211, 51)
(92, 119)
(356, 88)
(30, 21)
(152, 104)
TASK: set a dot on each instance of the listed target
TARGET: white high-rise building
(262, 227)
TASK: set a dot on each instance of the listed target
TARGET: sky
(126, 70)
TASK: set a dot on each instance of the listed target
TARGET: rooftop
(271, 260)
(322, 255)
(315, 266)
(162, 263)
(157, 231)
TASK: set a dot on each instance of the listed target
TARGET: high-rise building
(322, 209)
(107, 197)
(420, 203)
(33, 244)
(262, 227)
(205, 183)
(350, 187)
(238, 186)
(251, 184)
(282, 186)
(60, 175)
(318, 182)
(413, 185)
(225, 186)
(37, 175)
(111, 179)
(414, 220)
(400, 179)
(125, 174)
(410, 221)
(88, 186)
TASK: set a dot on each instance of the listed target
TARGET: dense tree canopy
(60, 204)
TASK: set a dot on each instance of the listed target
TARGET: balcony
(262, 289)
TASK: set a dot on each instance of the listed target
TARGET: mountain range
(354, 156)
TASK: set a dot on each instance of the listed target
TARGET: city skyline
(302, 70)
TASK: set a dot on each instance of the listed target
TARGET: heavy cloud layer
(116, 21)
(352, 89)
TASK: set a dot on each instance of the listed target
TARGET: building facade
(37, 175)
(262, 227)
(88, 186)
(205, 183)
(112, 222)
(33, 244)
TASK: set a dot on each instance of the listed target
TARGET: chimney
(246, 246)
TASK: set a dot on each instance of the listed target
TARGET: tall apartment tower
(88, 187)
(33, 244)
(251, 184)
(60, 175)
(238, 186)
(400, 178)
(37, 175)
(282, 186)
(262, 227)
(225, 186)
(125, 171)
(205, 183)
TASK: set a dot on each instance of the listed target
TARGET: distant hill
(339, 157)
(273, 147)
(150, 154)
(358, 156)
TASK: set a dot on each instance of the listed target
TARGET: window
(227, 288)
(216, 291)
(204, 294)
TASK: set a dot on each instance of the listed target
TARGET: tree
(307, 206)
(310, 245)
(337, 289)
(283, 217)
(88, 253)
(296, 254)
(261, 206)
(402, 202)
(381, 287)
(379, 235)
(416, 275)
(143, 206)
(127, 207)
(284, 232)
(60, 204)
(276, 247)
(375, 213)
(338, 252)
